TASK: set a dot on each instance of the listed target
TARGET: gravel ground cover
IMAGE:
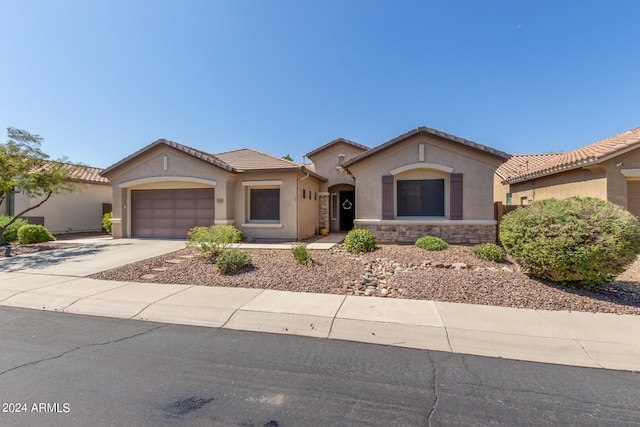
(392, 271)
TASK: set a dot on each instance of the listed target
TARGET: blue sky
(101, 79)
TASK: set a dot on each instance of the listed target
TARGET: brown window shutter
(455, 187)
(387, 196)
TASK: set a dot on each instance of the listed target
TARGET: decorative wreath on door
(346, 205)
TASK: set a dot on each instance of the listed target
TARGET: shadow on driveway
(54, 257)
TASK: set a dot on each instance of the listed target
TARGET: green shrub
(576, 241)
(11, 232)
(490, 252)
(33, 233)
(232, 260)
(302, 255)
(431, 243)
(106, 221)
(214, 239)
(359, 240)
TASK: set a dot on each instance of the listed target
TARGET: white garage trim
(153, 179)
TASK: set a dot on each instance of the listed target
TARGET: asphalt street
(68, 370)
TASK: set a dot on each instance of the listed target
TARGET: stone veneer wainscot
(408, 231)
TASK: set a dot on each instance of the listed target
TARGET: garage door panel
(170, 213)
(204, 204)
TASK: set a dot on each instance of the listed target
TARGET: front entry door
(347, 210)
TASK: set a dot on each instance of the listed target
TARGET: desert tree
(25, 168)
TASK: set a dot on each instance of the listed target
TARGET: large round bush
(576, 241)
(33, 233)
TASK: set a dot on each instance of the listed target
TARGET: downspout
(298, 204)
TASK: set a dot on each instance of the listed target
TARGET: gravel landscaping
(391, 271)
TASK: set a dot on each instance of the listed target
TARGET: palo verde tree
(25, 168)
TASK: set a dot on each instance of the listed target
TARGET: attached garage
(170, 214)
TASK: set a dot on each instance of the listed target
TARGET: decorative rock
(507, 269)
(459, 266)
(384, 292)
(437, 264)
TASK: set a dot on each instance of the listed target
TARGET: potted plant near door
(323, 230)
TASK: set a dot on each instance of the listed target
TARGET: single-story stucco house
(78, 211)
(422, 182)
(608, 169)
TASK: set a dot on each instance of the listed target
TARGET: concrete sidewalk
(56, 280)
(580, 339)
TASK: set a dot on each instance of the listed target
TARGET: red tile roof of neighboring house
(587, 155)
(522, 163)
(86, 174)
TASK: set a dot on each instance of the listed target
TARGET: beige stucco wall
(477, 169)
(77, 211)
(298, 217)
(327, 161)
(617, 182)
(499, 190)
(577, 182)
(148, 171)
(308, 207)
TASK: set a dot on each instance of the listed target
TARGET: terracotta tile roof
(86, 174)
(590, 154)
(425, 130)
(250, 159)
(521, 163)
(205, 157)
(337, 141)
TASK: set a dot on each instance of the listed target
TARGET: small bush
(214, 239)
(302, 255)
(431, 243)
(232, 260)
(106, 221)
(11, 232)
(490, 252)
(33, 233)
(580, 242)
(359, 240)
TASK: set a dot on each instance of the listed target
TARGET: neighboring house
(78, 211)
(608, 169)
(424, 182)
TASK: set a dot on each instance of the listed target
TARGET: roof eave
(424, 130)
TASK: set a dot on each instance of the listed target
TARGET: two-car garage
(170, 213)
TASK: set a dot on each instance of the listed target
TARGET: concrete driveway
(89, 256)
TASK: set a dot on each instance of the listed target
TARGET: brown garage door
(633, 197)
(169, 214)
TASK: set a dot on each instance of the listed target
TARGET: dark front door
(347, 209)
